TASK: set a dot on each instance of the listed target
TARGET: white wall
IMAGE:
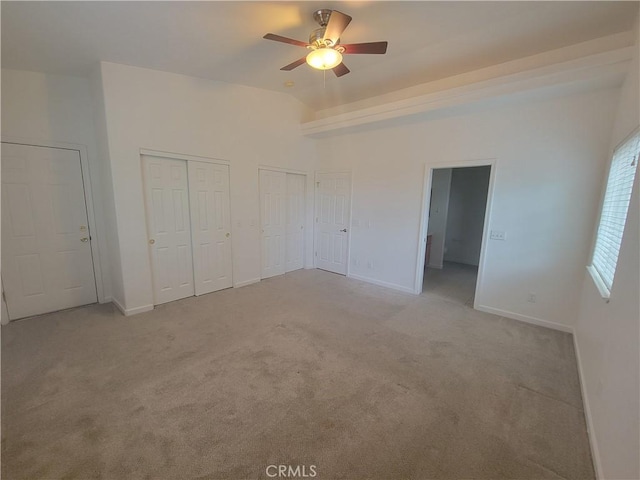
(550, 160)
(40, 107)
(174, 113)
(607, 334)
(465, 218)
(440, 187)
(105, 179)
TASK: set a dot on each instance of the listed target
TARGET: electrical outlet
(498, 235)
(370, 264)
(356, 262)
(531, 298)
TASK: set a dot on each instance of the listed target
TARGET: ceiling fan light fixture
(324, 58)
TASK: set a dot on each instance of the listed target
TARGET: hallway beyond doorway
(455, 282)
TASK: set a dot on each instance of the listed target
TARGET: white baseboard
(118, 306)
(524, 318)
(246, 282)
(309, 267)
(595, 453)
(381, 283)
(127, 312)
(105, 300)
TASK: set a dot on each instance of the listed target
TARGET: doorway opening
(454, 225)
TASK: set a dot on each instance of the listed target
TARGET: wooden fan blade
(338, 21)
(291, 41)
(295, 64)
(371, 47)
(340, 70)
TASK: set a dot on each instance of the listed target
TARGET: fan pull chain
(324, 79)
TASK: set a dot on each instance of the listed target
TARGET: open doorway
(454, 226)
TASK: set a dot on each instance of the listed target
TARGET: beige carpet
(307, 369)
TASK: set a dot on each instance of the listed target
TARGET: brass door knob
(228, 235)
(152, 241)
(84, 239)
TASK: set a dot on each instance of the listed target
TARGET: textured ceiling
(223, 40)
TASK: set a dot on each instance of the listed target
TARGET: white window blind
(614, 210)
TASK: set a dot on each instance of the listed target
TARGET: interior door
(169, 228)
(211, 226)
(272, 218)
(295, 213)
(46, 243)
(333, 210)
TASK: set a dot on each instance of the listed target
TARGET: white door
(210, 226)
(169, 228)
(333, 208)
(46, 243)
(273, 187)
(294, 244)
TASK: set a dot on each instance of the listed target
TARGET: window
(614, 213)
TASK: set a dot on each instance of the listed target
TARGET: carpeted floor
(307, 369)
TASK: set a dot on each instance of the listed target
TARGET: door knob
(344, 230)
(228, 235)
(84, 239)
(152, 241)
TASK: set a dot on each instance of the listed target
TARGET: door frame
(97, 236)
(315, 216)
(304, 237)
(424, 220)
(147, 152)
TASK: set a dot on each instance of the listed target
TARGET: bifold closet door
(294, 245)
(169, 228)
(210, 226)
(273, 186)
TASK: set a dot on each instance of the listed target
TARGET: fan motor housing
(317, 37)
(322, 16)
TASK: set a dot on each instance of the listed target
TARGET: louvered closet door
(210, 226)
(46, 243)
(169, 228)
(272, 217)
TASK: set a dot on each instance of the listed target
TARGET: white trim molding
(282, 169)
(244, 283)
(597, 280)
(381, 283)
(524, 318)
(595, 452)
(182, 156)
(127, 312)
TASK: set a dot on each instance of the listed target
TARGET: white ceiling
(223, 40)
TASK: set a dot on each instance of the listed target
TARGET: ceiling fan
(324, 43)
